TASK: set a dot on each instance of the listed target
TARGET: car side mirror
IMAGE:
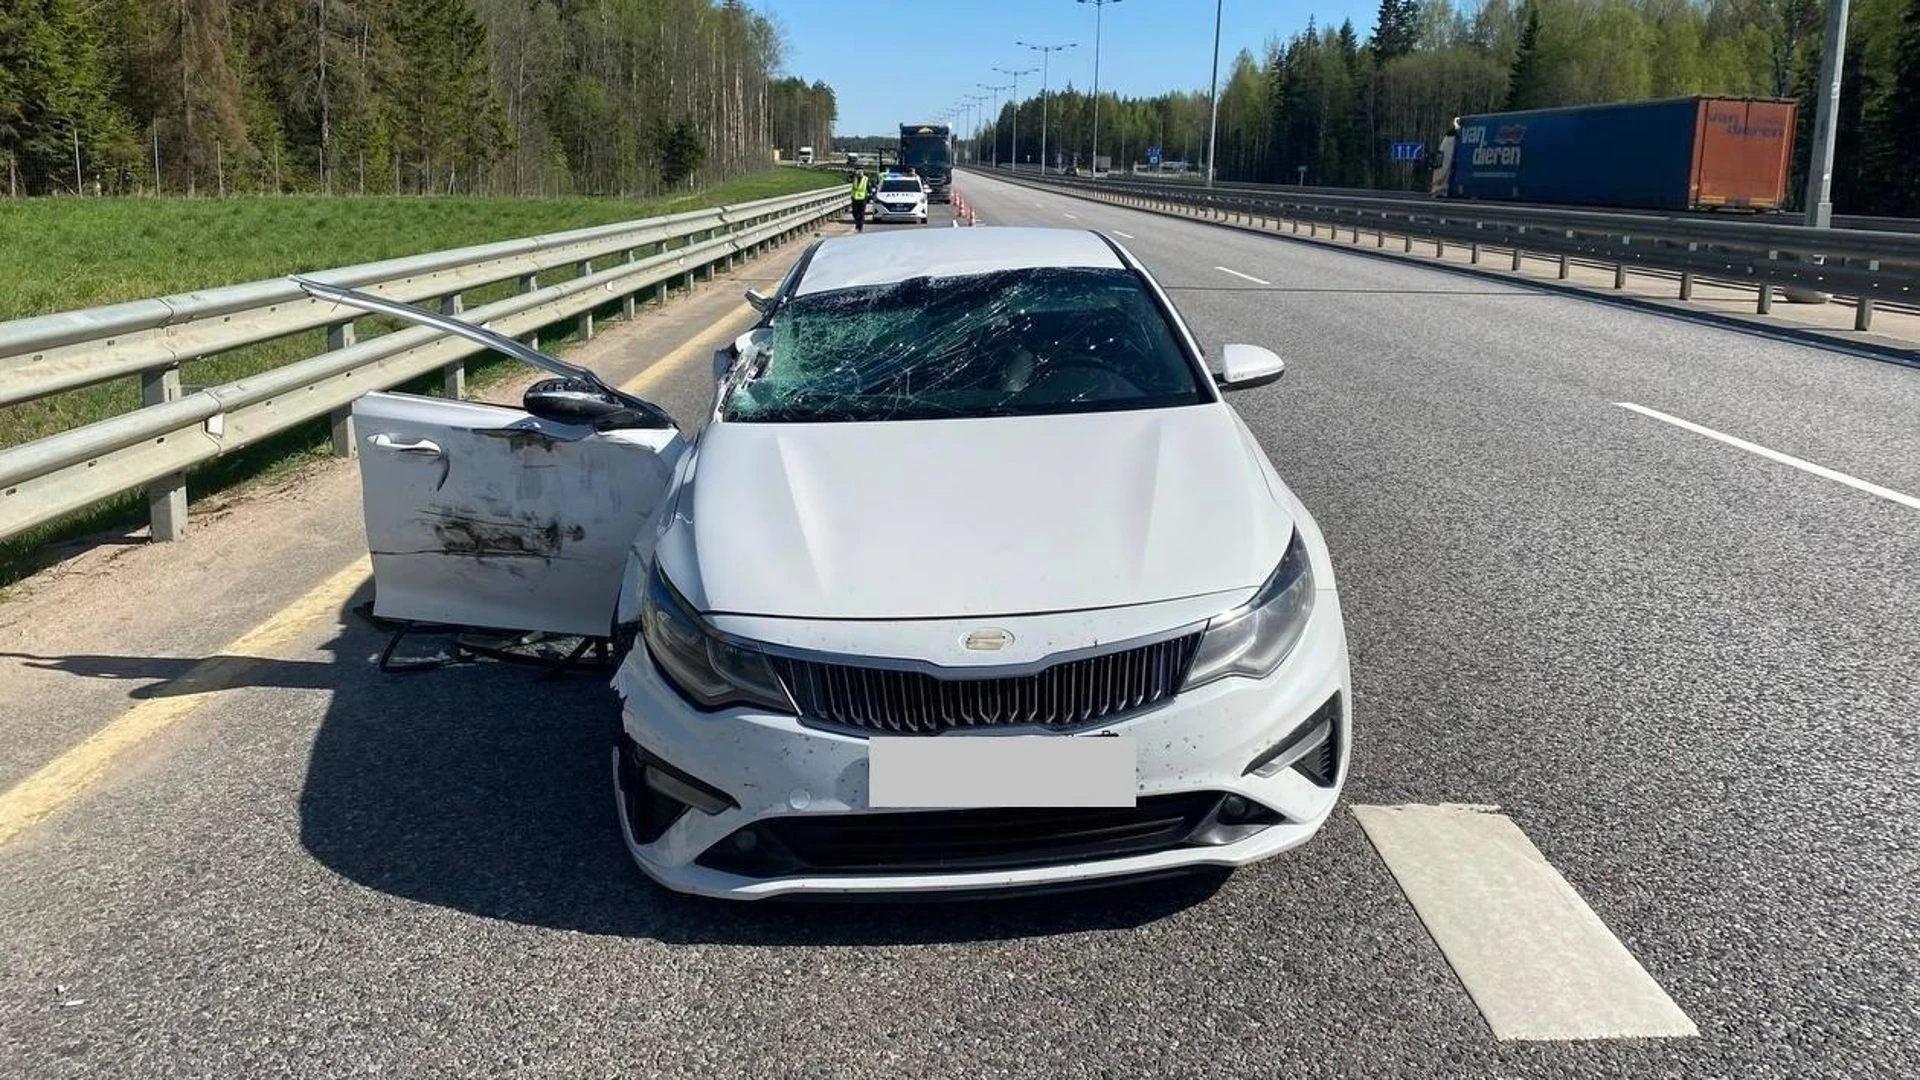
(760, 301)
(749, 344)
(569, 401)
(1243, 367)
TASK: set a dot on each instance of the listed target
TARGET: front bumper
(911, 213)
(1201, 741)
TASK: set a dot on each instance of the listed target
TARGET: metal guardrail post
(1516, 252)
(1686, 276)
(528, 283)
(1566, 262)
(1765, 305)
(1409, 245)
(1620, 267)
(167, 496)
(453, 377)
(1863, 307)
(341, 335)
(583, 326)
(627, 305)
(1474, 250)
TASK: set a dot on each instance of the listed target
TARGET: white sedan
(972, 580)
(900, 198)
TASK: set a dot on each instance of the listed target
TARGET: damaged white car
(971, 580)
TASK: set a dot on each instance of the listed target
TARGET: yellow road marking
(70, 775)
(708, 340)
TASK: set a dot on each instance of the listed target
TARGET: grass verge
(61, 254)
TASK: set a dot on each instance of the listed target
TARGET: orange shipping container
(1741, 152)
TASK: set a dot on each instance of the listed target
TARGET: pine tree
(682, 152)
(1897, 130)
(1526, 87)
(1394, 28)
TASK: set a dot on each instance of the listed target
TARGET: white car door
(484, 516)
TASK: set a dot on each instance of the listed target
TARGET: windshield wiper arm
(492, 339)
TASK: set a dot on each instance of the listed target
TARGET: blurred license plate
(973, 771)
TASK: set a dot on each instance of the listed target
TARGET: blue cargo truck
(1694, 153)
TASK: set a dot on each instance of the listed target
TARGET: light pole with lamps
(996, 122)
(1098, 7)
(1213, 124)
(1014, 148)
(1046, 52)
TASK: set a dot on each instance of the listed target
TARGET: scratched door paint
(485, 516)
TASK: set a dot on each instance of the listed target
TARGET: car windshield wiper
(492, 339)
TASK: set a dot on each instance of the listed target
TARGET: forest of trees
(382, 96)
(1332, 101)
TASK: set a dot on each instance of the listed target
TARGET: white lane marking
(1124, 236)
(1534, 957)
(1774, 455)
(1075, 217)
(1238, 274)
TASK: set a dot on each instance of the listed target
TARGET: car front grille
(935, 841)
(1063, 696)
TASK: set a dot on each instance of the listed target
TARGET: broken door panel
(484, 516)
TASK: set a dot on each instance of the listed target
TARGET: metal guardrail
(1840, 221)
(153, 446)
(1870, 266)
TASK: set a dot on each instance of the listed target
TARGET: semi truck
(1691, 153)
(927, 149)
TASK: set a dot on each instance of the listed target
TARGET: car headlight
(1253, 638)
(708, 671)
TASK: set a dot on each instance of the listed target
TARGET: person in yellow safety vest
(859, 194)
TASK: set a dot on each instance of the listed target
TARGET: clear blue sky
(892, 62)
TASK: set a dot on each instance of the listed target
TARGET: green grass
(62, 254)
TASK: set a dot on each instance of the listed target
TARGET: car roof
(882, 258)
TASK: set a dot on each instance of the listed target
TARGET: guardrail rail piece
(154, 445)
(1869, 263)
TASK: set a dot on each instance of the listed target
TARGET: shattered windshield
(1011, 343)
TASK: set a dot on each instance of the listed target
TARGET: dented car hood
(974, 517)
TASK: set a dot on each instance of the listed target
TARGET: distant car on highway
(972, 580)
(900, 198)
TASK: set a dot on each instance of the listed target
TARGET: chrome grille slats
(1069, 694)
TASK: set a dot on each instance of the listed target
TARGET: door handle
(426, 448)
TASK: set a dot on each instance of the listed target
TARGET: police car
(900, 197)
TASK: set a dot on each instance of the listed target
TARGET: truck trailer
(1692, 153)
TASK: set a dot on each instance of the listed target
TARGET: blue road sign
(1153, 155)
(1409, 151)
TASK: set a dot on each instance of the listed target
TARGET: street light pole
(1827, 110)
(1046, 53)
(1014, 149)
(1098, 7)
(1213, 124)
(996, 121)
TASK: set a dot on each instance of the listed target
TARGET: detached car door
(485, 516)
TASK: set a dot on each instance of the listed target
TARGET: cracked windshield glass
(1001, 344)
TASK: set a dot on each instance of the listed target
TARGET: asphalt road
(1689, 673)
